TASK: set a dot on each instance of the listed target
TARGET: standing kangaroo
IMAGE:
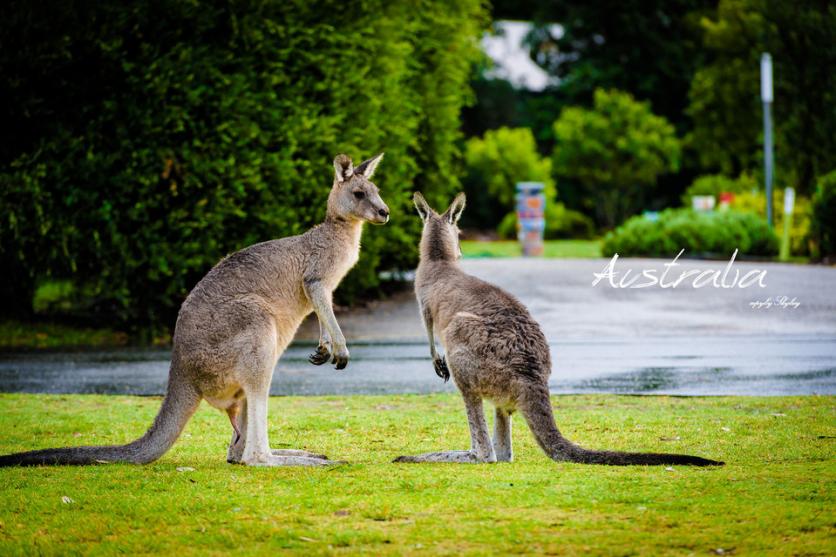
(495, 350)
(238, 320)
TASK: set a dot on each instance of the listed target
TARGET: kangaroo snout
(382, 216)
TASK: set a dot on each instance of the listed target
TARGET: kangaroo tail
(538, 413)
(180, 402)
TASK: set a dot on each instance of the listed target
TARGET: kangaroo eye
(359, 194)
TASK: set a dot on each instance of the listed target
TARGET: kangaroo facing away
(496, 351)
(238, 320)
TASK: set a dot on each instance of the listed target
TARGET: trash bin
(531, 217)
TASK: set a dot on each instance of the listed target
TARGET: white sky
(511, 58)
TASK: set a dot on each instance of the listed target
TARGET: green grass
(583, 249)
(775, 496)
(20, 335)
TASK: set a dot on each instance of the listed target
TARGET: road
(683, 340)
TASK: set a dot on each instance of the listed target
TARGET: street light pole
(766, 97)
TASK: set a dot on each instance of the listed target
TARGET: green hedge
(716, 233)
(715, 184)
(824, 215)
(142, 141)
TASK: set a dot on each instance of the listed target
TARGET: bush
(824, 214)
(613, 152)
(715, 184)
(137, 150)
(560, 223)
(715, 233)
(800, 231)
(495, 163)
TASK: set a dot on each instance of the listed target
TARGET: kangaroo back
(537, 411)
(180, 402)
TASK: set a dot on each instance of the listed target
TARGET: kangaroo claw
(441, 369)
(319, 357)
(340, 358)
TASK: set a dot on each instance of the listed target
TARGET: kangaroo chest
(341, 265)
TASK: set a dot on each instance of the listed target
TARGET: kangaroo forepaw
(340, 357)
(441, 369)
(321, 356)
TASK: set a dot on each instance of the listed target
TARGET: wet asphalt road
(712, 366)
(685, 340)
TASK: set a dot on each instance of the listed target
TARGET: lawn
(18, 335)
(578, 249)
(775, 496)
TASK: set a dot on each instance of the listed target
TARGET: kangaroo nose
(383, 213)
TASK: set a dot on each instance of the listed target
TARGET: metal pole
(766, 97)
(767, 157)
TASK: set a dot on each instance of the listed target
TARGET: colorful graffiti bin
(531, 221)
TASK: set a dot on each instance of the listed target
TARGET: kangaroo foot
(462, 457)
(296, 452)
(272, 460)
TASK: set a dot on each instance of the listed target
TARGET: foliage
(724, 96)
(650, 51)
(801, 240)
(560, 223)
(777, 484)
(715, 184)
(714, 233)
(824, 214)
(559, 249)
(495, 163)
(17, 335)
(137, 150)
(613, 151)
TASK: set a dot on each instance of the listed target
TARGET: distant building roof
(511, 57)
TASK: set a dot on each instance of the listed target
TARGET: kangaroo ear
(454, 211)
(343, 167)
(422, 206)
(366, 168)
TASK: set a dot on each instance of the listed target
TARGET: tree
(495, 163)
(649, 48)
(141, 142)
(612, 152)
(725, 94)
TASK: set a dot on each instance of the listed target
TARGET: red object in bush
(726, 198)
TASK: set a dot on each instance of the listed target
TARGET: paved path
(560, 295)
(653, 340)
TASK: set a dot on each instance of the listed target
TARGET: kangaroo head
(440, 238)
(354, 196)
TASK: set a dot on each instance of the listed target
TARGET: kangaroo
(494, 350)
(239, 319)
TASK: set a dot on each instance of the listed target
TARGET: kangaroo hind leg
(481, 448)
(502, 436)
(257, 450)
(239, 437)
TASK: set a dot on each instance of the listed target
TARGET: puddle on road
(665, 365)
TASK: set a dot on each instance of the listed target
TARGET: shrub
(715, 184)
(824, 214)
(137, 150)
(613, 151)
(495, 163)
(715, 233)
(800, 231)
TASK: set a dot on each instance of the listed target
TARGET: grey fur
(496, 351)
(238, 320)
